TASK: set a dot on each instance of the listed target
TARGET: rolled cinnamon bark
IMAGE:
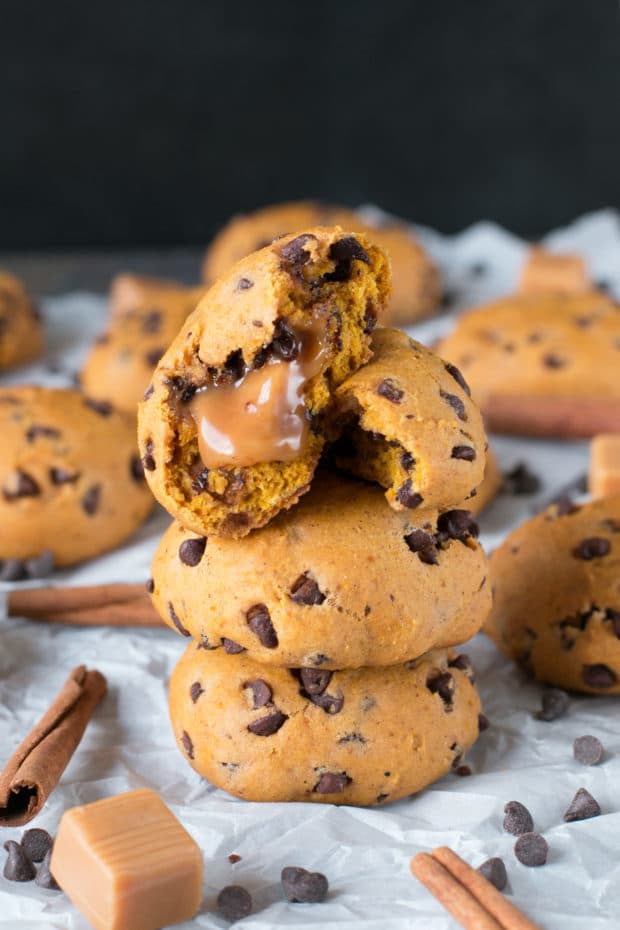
(96, 605)
(35, 768)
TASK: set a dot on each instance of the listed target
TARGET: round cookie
(364, 737)
(238, 412)
(542, 364)
(120, 365)
(491, 485)
(556, 597)
(71, 481)
(413, 426)
(340, 581)
(416, 286)
(21, 332)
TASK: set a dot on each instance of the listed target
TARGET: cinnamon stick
(552, 417)
(35, 768)
(95, 605)
(450, 893)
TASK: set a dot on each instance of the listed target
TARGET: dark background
(150, 122)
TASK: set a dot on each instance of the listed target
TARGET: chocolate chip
(407, 496)
(231, 648)
(458, 377)
(151, 322)
(467, 453)
(330, 703)
(192, 550)
(463, 770)
(593, 548)
(294, 254)
(175, 619)
(261, 692)
(40, 566)
(187, 744)
(267, 726)
(442, 683)
(36, 430)
(531, 849)
(150, 586)
(370, 317)
(553, 361)
(12, 570)
(20, 484)
(136, 468)
(483, 723)
(234, 858)
(90, 500)
(195, 691)
(306, 592)
(554, 704)
(36, 843)
(44, 878)
(598, 676)
(494, 871)
(456, 403)
(315, 680)
(390, 390)
(200, 481)
(234, 902)
(344, 252)
(102, 407)
(152, 356)
(422, 543)
(63, 475)
(244, 284)
(284, 344)
(332, 783)
(183, 388)
(588, 750)
(302, 887)
(464, 664)
(18, 867)
(517, 818)
(582, 807)
(407, 461)
(458, 524)
(520, 480)
(259, 621)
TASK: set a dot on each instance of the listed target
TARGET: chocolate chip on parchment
(259, 621)
(315, 680)
(554, 704)
(244, 284)
(595, 547)
(231, 648)
(390, 390)
(102, 407)
(332, 783)
(465, 453)
(18, 867)
(90, 500)
(423, 543)
(598, 676)
(456, 403)
(20, 484)
(36, 843)
(176, 620)
(234, 902)
(261, 692)
(458, 524)
(186, 742)
(494, 871)
(192, 550)
(306, 592)
(36, 430)
(463, 770)
(60, 475)
(588, 750)
(303, 887)
(483, 723)
(234, 858)
(344, 252)
(517, 819)
(531, 849)
(442, 683)
(582, 807)
(267, 726)
(44, 878)
(520, 480)
(407, 496)
(458, 377)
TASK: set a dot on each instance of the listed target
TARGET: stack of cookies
(322, 615)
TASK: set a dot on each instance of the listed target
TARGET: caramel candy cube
(545, 272)
(604, 477)
(127, 863)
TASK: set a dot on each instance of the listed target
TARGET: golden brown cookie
(21, 332)
(361, 737)
(239, 409)
(416, 286)
(546, 271)
(556, 597)
(144, 323)
(71, 481)
(413, 427)
(542, 365)
(339, 581)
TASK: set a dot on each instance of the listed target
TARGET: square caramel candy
(127, 863)
(545, 272)
(604, 474)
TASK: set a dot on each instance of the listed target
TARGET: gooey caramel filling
(260, 417)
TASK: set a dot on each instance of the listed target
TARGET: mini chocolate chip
(595, 547)
(494, 871)
(422, 543)
(456, 403)
(520, 480)
(195, 691)
(353, 738)
(259, 621)
(442, 683)
(306, 592)
(231, 648)
(553, 361)
(261, 692)
(150, 586)
(12, 570)
(458, 524)
(302, 887)
(531, 849)
(390, 390)
(18, 867)
(294, 254)
(102, 407)
(458, 377)
(315, 680)
(36, 430)
(36, 843)
(588, 750)
(330, 703)
(598, 676)
(21, 484)
(407, 497)
(175, 619)
(517, 818)
(554, 704)
(152, 356)
(284, 344)
(267, 726)
(136, 468)
(44, 878)
(187, 744)
(192, 550)
(463, 770)
(244, 284)
(151, 322)
(234, 902)
(344, 252)
(582, 807)
(90, 500)
(483, 723)
(234, 858)
(466, 453)
(332, 783)
(63, 475)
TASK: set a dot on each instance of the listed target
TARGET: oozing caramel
(261, 417)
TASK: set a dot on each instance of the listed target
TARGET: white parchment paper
(364, 853)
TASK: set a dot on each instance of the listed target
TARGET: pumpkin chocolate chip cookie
(556, 599)
(21, 333)
(361, 737)
(238, 412)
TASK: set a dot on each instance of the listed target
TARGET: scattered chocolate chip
(588, 750)
(294, 254)
(517, 819)
(315, 680)
(598, 676)
(458, 524)
(244, 284)
(18, 867)
(44, 878)
(36, 430)
(582, 807)
(463, 770)
(150, 586)
(90, 500)
(423, 543)
(458, 377)
(554, 703)
(553, 361)
(259, 621)
(344, 252)
(20, 484)
(195, 691)
(12, 570)
(302, 887)
(267, 726)
(36, 843)
(187, 744)
(520, 480)
(192, 550)
(390, 390)
(332, 783)
(176, 620)
(234, 902)
(407, 496)
(466, 453)
(306, 592)
(456, 403)
(234, 858)
(102, 407)
(531, 849)
(261, 692)
(63, 475)
(494, 871)
(593, 548)
(483, 723)
(40, 566)
(231, 648)
(442, 683)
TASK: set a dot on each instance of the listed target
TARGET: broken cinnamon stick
(34, 769)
